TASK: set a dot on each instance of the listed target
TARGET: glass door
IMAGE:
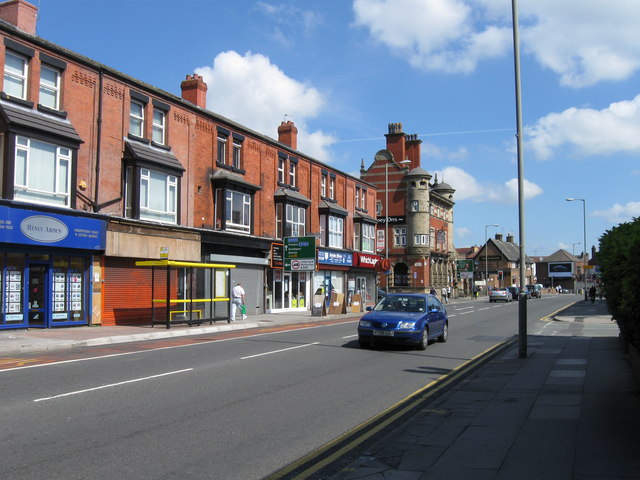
(38, 295)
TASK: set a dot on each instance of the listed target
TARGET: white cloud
(469, 188)
(588, 131)
(619, 213)
(250, 90)
(462, 233)
(434, 35)
(583, 42)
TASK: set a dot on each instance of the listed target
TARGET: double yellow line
(344, 444)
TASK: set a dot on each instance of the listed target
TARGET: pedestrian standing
(237, 301)
(432, 291)
(448, 293)
(444, 295)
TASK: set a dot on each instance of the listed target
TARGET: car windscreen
(399, 303)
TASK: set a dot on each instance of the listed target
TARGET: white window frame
(148, 194)
(292, 173)
(335, 230)
(421, 239)
(19, 77)
(281, 162)
(159, 126)
(368, 233)
(52, 89)
(221, 150)
(332, 188)
(378, 207)
(231, 198)
(136, 122)
(323, 186)
(24, 189)
(357, 197)
(295, 221)
(363, 199)
(415, 205)
(400, 236)
(236, 161)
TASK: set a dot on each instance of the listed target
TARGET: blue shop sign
(38, 228)
(335, 258)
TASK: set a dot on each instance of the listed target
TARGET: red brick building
(100, 170)
(415, 217)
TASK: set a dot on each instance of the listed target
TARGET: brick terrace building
(100, 170)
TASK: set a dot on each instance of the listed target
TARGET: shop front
(46, 262)
(331, 276)
(286, 290)
(361, 279)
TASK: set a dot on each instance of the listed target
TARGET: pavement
(569, 410)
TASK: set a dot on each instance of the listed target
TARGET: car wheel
(445, 333)
(424, 340)
(364, 343)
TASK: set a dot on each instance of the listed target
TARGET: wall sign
(327, 257)
(37, 228)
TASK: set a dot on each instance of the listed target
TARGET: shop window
(68, 289)
(12, 288)
(42, 172)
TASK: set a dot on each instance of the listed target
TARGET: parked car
(514, 292)
(535, 291)
(410, 319)
(500, 294)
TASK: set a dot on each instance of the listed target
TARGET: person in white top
(237, 300)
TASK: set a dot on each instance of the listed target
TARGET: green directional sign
(300, 254)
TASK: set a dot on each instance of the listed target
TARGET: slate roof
(30, 119)
(139, 151)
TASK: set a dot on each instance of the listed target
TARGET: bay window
(233, 210)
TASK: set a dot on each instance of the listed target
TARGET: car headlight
(365, 323)
(406, 325)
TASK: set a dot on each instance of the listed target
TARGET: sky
(342, 70)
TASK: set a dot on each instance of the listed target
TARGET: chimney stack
(509, 238)
(288, 134)
(499, 236)
(21, 14)
(194, 90)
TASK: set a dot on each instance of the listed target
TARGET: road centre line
(278, 351)
(139, 352)
(464, 308)
(485, 308)
(465, 313)
(78, 392)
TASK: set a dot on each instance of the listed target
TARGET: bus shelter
(189, 292)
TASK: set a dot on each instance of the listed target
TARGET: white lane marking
(350, 336)
(464, 308)
(466, 313)
(139, 352)
(452, 315)
(485, 308)
(77, 392)
(278, 351)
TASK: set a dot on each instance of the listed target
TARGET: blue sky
(342, 70)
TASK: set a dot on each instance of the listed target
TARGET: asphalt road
(228, 409)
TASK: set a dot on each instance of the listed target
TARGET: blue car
(401, 318)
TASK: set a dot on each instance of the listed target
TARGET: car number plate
(383, 333)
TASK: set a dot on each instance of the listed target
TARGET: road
(234, 408)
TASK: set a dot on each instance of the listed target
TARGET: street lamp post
(386, 210)
(573, 248)
(486, 259)
(584, 239)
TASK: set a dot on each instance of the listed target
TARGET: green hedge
(619, 259)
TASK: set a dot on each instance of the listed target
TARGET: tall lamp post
(584, 239)
(386, 210)
(486, 258)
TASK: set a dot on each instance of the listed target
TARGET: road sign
(300, 254)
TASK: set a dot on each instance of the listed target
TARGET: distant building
(500, 260)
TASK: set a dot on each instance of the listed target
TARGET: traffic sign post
(300, 254)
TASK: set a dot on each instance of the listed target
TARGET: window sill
(161, 145)
(131, 136)
(52, 111)
(16, 100)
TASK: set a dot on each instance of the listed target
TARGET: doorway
(38, 297)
